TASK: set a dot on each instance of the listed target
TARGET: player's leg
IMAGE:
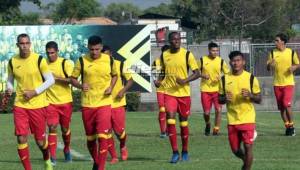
(218, 115)
(21, 121)
(65, 115)
(103, 128)
(279, 99)
(88, 117)
(171, 109)
(288, 92)
(37, 122)
(248, 157)
(119, 129)
(184, 109)
(52, 122)
(111, 143)
(248, 137)
(235, 141)
(206, 101)
(162, 115)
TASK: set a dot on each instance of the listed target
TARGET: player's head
(237, 61)
(174, 40)
(24, 44)
(107, 50)
(52, 50)
(95, 46)
(164, 48)
(280, 40)
(213, 49)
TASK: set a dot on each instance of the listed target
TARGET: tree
(121, 12)
(66, 11)
(10, 13)
(162, 9)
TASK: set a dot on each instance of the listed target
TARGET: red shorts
(240, 133)
(182, 105)
(96, 120)
(209, 98)
(118, 119)
(30, 121)
(284, 96)
(59, 113)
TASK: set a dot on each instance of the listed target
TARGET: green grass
(148, 152)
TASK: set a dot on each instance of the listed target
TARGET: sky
(143, 4)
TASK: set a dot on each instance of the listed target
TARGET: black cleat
(207, 130)
(292, 131)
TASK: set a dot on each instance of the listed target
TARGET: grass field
(148, 152)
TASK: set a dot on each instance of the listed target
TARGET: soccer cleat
(95, 166)
(53, 161)
(48, 165)
(124, 153)
(114, 161)
(175, 158)
(216, 131)
(163, 135)
(68, 157)
(292, 131)
(287, 131)
(207, 130)
(184, 156)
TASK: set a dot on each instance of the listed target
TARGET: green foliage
(133, 100)
(67, 10)
(121, 12)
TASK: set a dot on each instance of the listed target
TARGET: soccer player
(284, 61)
(98, 76)
(239, 89)
(176, 63)
(33, 77)
(211, 67)
(59, 96)
(118, 112)
(162, 117)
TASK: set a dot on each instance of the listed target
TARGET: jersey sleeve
(77, 69)
(295, 59)
(44, 67)
(69, 67)
(225, 68)
(256, 88)
(192, 62)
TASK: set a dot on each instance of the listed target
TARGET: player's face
(24, 45)
(51, 54)
(175, 41)
(95, 50)
(237, 63)
(214, 52)
(278, 42)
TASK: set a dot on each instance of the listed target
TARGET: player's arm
(74, 78)
(113, 81)
(270, 62)
(69, 70)
(295, 65)
(254, 96)
(128, 85)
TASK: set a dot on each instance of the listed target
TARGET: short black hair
(236, 53)
(165, 48)
(172, 33)
(283, 37)
(105, 48)
(23, 35)
(94, 40)
(52, 44)
(212, 45)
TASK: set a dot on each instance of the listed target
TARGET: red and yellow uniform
(177, 97)
(96, 106)
(209, 88)
(160, 94)
(59, 96)
(29, 114)
(283, 79)
(240, 111)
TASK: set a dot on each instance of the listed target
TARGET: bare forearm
(194, 76)
(63, 80)
(75, 83)
(128, 85)
(256, 98)
(113, 81)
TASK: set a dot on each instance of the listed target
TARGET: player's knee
(171, 115)
(171, 121)
(22, 139)
(184, 123)
(52, 128)
(65, 130)
(91, 138)
(122, 135)
(162, 109)
(43, 144)
(206, 113)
